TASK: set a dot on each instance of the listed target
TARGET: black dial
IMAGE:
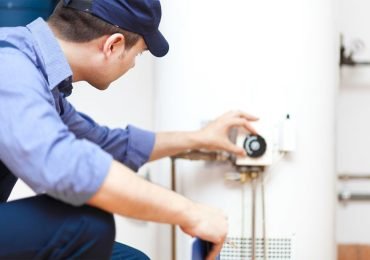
(255, 146)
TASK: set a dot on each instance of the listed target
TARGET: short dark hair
(76, 26)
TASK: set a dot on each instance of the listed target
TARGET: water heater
(268, 58)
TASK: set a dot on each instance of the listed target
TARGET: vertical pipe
(173, 227)
(242, 233)
(265, 245)
(253, 218)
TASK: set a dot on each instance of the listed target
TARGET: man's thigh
(43, 228)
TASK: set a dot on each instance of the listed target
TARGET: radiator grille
(241, 249)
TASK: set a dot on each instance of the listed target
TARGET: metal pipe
(347, 59)
(173, 227)
(197, 155)
(357, 176)
(192, 155)
(265, 256)
(254, 176)
(361, 63)
(344, 196)
(242, 235)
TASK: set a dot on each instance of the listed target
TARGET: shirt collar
(55, 63)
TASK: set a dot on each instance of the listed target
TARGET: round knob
(255, 146)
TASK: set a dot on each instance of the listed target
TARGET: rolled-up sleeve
(132, 146)
(36, 145)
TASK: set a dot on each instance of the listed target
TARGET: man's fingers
(246, 116)
(241, 122)
(239, 113)
(216, 249)
(242, 115)
(240, 152)
(248, 126)
(232, 148)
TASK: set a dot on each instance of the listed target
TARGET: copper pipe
(197, 155)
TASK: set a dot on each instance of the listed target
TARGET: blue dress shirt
(43, 140)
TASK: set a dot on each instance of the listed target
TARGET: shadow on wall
(22, 12)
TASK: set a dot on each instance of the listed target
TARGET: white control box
(272, 139)
(259, 148)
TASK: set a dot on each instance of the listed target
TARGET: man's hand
(214, 136)
(208, 224)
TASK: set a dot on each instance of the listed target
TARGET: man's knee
(142, 256)
(121, 251)
(100, 226)
(91, 235)
(60, 231)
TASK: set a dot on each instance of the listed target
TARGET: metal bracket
(347, 59)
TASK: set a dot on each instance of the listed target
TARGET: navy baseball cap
(137, 16)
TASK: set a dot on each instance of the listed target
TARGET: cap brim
(156, 43)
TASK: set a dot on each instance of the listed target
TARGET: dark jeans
(44, 228)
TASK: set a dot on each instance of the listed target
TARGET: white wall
(127, 101)
(353, 124)
(268, 58)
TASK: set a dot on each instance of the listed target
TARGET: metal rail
(351, 176)
(346, 196)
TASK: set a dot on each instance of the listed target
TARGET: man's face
(121, 61)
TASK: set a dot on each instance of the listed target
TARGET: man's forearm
(171, 143)
(126, 194)
(214, 136)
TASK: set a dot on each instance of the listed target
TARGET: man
(85, 172)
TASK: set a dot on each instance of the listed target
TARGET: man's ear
(114, 44)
